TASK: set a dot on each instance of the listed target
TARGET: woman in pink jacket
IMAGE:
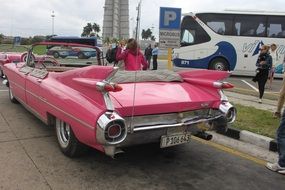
(133, 58)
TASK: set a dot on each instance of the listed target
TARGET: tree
(146, 34)
(1, 38)
(152, 38)
(91, 30)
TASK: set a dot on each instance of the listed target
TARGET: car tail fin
(209, 83)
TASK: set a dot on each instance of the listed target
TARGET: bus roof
(72, 37)
(241, 12)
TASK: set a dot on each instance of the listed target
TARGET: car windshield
(73, 55)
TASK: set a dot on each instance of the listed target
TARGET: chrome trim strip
(108, 102)
(115, 70)
(136, 129)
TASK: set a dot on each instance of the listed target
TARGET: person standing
(281, 98)
(154, 57)
(274, 56)
(263, 64)
(132, 56)
(280, 165)
(148, 54)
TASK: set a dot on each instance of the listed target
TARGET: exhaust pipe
(204, 135)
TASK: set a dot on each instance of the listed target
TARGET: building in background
(116, 19)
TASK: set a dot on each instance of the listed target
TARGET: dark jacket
(264, 57)
(148, 52)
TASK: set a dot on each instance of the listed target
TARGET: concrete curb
(252, 138)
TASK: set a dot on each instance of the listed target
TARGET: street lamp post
(138, 21)
(52, 22)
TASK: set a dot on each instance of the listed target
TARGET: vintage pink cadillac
(9, 57)
(108, 109)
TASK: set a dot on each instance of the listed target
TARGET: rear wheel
(219, 64)
(81, 55)
(220, 125)
(68, 143)
(56, 55)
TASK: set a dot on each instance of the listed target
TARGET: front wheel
(219, 64)
(68, 143)
(11, 96)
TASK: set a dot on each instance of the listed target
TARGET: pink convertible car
(9, 57)
(108, 109)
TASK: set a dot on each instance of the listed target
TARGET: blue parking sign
(169, 18)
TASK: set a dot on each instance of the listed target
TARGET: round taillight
(114, 131)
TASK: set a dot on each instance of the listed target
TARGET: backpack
(111, 55)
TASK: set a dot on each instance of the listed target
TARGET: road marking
(3, 90)
(231, 151)
(253, 87)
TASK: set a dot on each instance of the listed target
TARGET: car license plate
(174, 139)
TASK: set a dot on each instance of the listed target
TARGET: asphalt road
(30, 159)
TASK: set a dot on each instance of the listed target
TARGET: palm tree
(1, 38)
(96, 28)
(89, 28)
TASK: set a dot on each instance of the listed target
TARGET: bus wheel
(219, 64)
(56, 55)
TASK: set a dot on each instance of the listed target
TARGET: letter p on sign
(169, 18)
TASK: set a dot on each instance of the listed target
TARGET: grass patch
(255, 120)
(267, 95)
(10, 48)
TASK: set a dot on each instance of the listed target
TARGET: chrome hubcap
(220, 66)
(63, 133)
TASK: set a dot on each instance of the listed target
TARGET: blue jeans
(281, 141)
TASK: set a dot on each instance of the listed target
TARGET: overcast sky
(33, 17)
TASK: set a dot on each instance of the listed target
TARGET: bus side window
(251, 25)
(276, 27)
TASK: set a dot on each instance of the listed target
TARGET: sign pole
(169, 59)
(169, 31)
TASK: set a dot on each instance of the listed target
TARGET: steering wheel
(46, 61)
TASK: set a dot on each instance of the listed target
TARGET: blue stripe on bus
(225, 50)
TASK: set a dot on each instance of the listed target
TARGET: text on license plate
(175, 139)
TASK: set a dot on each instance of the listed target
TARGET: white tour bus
(229, 40)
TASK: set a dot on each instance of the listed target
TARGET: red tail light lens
(227, 85)
(108, 87)
(112, 88)
(114, 131)
(117, 88)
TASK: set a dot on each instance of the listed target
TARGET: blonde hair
(265, 47)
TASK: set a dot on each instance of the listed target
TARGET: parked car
(10, 57)
(64, 51)
(109, 110)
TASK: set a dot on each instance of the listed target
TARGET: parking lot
(30, 159)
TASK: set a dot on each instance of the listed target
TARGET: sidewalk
(247, 136)
(248, 100)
